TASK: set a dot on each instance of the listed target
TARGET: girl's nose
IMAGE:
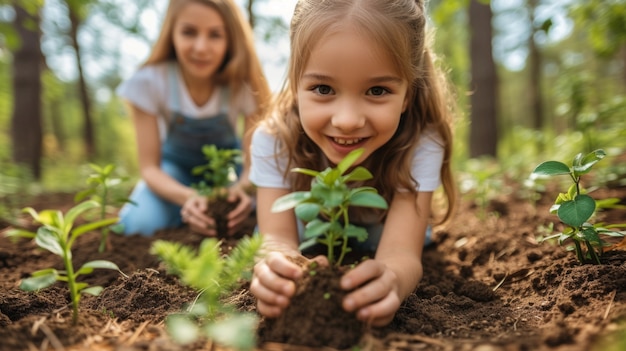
(201, 43)
(348, 117)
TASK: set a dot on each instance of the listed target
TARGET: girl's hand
(239, 214)
(273, 282)
(193, 213)
(376, 298)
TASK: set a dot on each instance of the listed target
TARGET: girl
(202, 74)
(361, 75)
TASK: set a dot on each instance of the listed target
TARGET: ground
(488, 285)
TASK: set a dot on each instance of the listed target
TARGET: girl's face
(200, 40)
(350, 95)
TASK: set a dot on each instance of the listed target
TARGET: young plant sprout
(575, 208)
(324, 208)
(218, 172)
(57, 235)
(101, 183)
(215, 277)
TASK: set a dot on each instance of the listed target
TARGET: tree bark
(534, 70)
(26, 120)
(88, 132)
(484, 82)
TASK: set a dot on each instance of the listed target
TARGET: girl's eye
(323, 89)
(377, 91)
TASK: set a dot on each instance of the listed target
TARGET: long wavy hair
(241, 63)
(398, 28)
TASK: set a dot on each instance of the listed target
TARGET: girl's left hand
(376, 298)
(237, 216)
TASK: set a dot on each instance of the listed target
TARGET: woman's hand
(239, 214)
(376, 297)
(273, 282)
(193, 213)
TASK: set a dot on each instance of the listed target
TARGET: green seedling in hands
(101, 184)
(57, 235)
(218, 172)
(215, 276)
(575, 208)
(324, 208)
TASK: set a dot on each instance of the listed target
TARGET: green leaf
(75, 211)
(181, 329)
(49, 240)
(236, 331)
(316, 228)
(93, 290)
(577, 211)
(358, 174)
(94, 225)
(350, 159)
(307, 211)
(290, 201)
(38, 283)
(587, 162)
(15, 234)
(368, 199)
(551, 168)
(334, 198)
(591, 235)
(91, 265)
(354, 231)
(307, 244)
(310, 172)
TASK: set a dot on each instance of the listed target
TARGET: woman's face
(350, 95)
(200, 40)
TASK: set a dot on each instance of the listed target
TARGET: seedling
(215, 277)
(101, 183)
(575, 208)
(218, 173)
(324, 208)
(57, 235)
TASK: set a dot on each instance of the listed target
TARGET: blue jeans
(151, 212)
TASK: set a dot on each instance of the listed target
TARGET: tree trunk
(88, 133)
(484, 98)
(534, 70)
(26, 121)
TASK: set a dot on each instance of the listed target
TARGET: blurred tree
(77, 12)
(484, 82)
(26, 121)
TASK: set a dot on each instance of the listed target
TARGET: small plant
(215, 277)
(101, 183)
(325, 207)
(57, 235)
(218, 173)
(575, 208)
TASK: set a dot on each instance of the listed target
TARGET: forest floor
(488, 285)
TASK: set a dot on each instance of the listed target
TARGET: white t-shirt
(149, 90)
(266, 172)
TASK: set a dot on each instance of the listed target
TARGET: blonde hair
(398, 27)
(241, 64)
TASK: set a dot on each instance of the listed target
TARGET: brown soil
(488, 285)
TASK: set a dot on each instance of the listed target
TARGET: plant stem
(579, 252)
(105, 230)
(71, 281)
(592, 252)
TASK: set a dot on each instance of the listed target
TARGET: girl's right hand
(273, 283)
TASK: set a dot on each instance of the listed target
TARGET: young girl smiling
(361, 75)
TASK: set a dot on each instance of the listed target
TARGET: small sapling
(324, 208)
(101, 184)
(575, 208)
(215, 277)
(57, 235)
(219, 173)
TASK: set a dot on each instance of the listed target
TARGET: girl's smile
(350, 95)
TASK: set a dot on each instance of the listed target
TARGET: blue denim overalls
(180, 152)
